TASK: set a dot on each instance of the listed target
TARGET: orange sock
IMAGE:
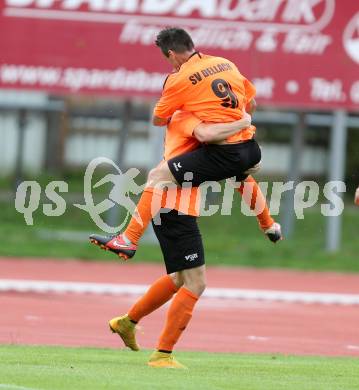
(159, 293)
(178, 317)
(257, 201)
(147, 207)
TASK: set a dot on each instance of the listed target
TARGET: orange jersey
(179, 134)
(179, 140)
(212, 88)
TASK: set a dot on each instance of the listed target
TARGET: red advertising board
(299, 53)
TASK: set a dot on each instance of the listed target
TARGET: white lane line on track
(44, 286)
(257, 338)
(30, 317)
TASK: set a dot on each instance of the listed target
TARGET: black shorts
(180, 241)
(216, 162)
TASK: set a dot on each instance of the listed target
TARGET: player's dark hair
(175, 39)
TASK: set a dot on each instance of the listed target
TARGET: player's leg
(150, 202)
(178, 316)
(160, 292)
(215, 162)
(182, 247)
(246, 160)
(125, 244)
(180, 312)
(254, 198)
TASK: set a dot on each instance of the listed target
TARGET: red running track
(218, 325)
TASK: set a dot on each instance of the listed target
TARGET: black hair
(175, 39)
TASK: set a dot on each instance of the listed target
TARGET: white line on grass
(15, 387)
(44, 286)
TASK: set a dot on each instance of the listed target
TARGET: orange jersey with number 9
(212, 88)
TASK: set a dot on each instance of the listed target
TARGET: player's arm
(250, 93)
(356, 197)
(251, 106)
(215, 132)
(170, 101)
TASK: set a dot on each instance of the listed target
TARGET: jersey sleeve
(171, 99)
(250, 90)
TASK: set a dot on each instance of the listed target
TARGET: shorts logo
(177, 166)
(192, 257)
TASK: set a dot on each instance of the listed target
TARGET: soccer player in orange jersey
(213, 90)
(182, 249)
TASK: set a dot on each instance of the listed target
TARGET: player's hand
(356, 197)
(248, 118)
(274, 233)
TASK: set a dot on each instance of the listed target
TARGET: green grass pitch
(53, 368)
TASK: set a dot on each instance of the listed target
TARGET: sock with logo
(148, 206)
(256, 201)
(161, 291)
(178, 316)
